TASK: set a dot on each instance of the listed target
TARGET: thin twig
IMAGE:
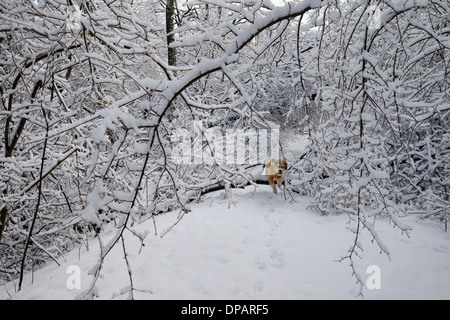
(41, 174)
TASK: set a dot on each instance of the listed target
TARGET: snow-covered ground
(262, 247)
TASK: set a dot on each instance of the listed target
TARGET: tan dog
(275, 169)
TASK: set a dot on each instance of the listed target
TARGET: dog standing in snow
(275, 169)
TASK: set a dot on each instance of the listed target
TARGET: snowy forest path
(271, 258)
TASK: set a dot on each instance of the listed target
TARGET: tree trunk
(170, 25)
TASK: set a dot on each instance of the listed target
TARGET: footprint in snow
(261, 264)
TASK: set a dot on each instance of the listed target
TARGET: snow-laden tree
(95, 114)
(62, 65)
